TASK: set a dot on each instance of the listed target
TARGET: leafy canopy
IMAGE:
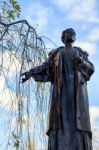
(9, 10)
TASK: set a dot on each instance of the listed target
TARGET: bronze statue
(68, 69)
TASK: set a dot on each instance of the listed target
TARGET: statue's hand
(25, 76)
(78, 60)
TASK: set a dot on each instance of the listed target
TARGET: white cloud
(8, 98)
(94, 116)
(78, 10)
(94, 35)
(94, 113)
(85, 11)
(10, 66)
(65, 4)
(87, 46)
(2, 83)
(38, 15)
(9, 63)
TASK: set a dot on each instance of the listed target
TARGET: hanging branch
(23, 107)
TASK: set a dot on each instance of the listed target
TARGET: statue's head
(68, 36)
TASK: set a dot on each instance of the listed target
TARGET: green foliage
(15, 141)
(9, 10)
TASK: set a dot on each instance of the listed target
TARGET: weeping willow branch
(23, 107)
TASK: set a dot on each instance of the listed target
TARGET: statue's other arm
(84, 65)
(88, 68)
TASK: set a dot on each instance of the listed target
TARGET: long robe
(69, 122)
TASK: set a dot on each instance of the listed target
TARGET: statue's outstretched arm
(41, 73)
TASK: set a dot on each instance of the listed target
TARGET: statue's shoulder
(80, 51)
(55, 51)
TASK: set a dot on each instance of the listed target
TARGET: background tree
(9, 10)
(23, 107)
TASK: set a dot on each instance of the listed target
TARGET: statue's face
(68, 36)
